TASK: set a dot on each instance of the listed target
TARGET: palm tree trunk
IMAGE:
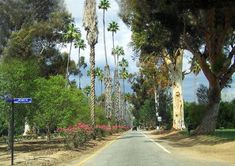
(104, 38)
(67, 67)
(108, 94)
(79, 66)
(92, 93)
(114, 56)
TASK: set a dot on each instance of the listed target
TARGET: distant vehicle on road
(134, 128)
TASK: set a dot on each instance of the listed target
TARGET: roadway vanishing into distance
(135, 149)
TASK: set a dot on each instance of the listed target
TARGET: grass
(228, 134)
(220, 134)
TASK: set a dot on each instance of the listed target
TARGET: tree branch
(201, 60)
(225, 78)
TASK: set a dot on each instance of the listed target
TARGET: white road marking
(159, 145)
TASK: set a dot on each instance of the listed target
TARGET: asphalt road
(136, 149)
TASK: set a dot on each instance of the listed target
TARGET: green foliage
(194, 114)
(202, 94)
(148, 113)
(104, 4)
(58, 106)
(17, 79)
(226, 118)
(113, 27)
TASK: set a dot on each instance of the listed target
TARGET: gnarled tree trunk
(208, 123)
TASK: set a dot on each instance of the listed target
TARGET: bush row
(77, 135)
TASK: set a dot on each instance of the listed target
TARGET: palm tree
(123, 72)
(113, 27)
(100, 75)
(69, 37)
(80, 44)
(90, 24)
(123, 75)
(104, 5)
(118, 51)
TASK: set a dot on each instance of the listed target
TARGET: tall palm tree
(69, 37)
(90, 24)
(123, 72)
(123, 75)
(104, 5)
(113, 27)
(117, 52)
(80, 44)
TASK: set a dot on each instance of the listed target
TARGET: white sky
(123, 38)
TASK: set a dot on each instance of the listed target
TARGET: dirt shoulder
(41, 153)
(204, 147)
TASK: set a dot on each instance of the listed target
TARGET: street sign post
(15, 101)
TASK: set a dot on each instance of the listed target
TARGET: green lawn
(220, 134)
(225, 134)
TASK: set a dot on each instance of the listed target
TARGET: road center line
(159, 145)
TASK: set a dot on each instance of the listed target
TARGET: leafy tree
(17, 14)
(211, 25)
(17, 80)
(40, 40)
(147, 114)
(90, 24)
(202, 94)
(226, 118)
(56, 106)
(152, 38)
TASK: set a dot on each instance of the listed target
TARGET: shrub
(194, 114)
(76, 135)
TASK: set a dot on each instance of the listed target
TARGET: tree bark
(175, 69)
(104, 38)
(177, 94)
(108, 93)
(208, 123)
(92, 92)
(79, 66)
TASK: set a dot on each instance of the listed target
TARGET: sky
(123, 38)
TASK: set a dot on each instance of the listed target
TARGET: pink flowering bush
(80, 133)
(102, 130)
(76, 135)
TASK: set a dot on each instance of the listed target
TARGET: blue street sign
(22, 100)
